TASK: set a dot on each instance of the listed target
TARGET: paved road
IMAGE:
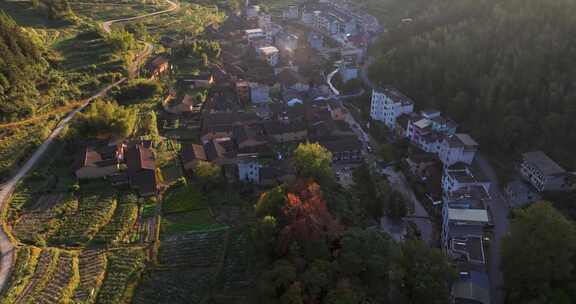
(499, 210)
(6, 246)
(107, 24)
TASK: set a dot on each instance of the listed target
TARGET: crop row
(26, 261)
(92, 264)
(120, 225)
(40, 223)
(237, 271)
(62, 282)
(123, 266)
(94, 212)
(200, 249)
(174, 286)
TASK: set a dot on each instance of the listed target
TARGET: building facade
(387, 104)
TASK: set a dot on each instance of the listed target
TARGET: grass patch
(183, 199)
(189, 221)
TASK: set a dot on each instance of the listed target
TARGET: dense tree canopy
(313, 160)
(104, 119)
(539, 256)
(504, 69)
(20, 63)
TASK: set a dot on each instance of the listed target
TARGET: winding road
(6, 245)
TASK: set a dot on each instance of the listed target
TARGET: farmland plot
(93, 213)
(92, 267)
(122, 221)
(45, 217)
(26, 261)
(238, 270)
(60, 284)
(175, 286)
(198, 249)
(123, 266)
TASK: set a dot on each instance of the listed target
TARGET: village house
(346, 149)
(472, 286)
(250, 138)
(242, 91)
(99, 161)
(387, 104)
(287, 42)
(315, 40)
(291, 80)
(142, 169)
(270, 54)
(157, 66)
(191, 154)
(459, 147)
(291, 12)
(284, 132)
(248, 168)
(348, 71)
(259, 93)
(461, 175)
(264, 21)
(544, 173)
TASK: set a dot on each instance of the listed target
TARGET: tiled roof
(541, 161)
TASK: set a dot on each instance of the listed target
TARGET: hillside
(20, 64)
(505, 69)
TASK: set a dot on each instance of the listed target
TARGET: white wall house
(461, 176)
(387, 104)
(291, 12)
(270, 54)
(459, 147)
(249, 169)
(259, 93)
(253, 34)
(544, 173)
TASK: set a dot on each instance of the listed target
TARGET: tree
(427, 273)
(396, 207)
(343, 296)
(372, 257)
(139, 90)
(313, 161)
(271, 202)
(104, 119)
(207, 173)
(539, 255)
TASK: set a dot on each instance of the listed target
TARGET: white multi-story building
(291, 12)
(264, 21)
(270, 54)
(253, 34)
(544, 173)
(252, 11)
(459, 176)
(459, 147)
(248, 168)
(387, 104)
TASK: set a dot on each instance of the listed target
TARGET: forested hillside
(21, 62)
(504, 69)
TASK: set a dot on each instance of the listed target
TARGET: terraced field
(194, 249)
(92, 267)
(95, 211)
(52, 279)
(124, 265)
(122, 222)
(26, 261)
(184, 286)
(45, 217)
